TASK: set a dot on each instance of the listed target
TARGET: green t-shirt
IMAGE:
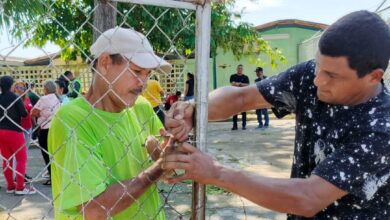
(92, 149)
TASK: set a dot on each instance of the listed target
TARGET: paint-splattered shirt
(349, 146)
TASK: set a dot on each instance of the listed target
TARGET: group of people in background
(154, 93)
(26, 115)
(239, 79)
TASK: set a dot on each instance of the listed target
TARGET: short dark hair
(30, 85)
(61, 84)
(259, 69)
(6, 83)
(190, 75)
(68, 73)
(178, 93)
(363, 37)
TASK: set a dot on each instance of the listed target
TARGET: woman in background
(189, 87)
(20, 89)
(44, 110)
(12, 143)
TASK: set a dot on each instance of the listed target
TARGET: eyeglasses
(22, 88)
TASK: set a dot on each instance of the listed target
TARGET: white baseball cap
(132, 45)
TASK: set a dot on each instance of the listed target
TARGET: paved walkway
(264, 152)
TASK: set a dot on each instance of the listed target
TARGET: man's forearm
(223, 103)
(294, 196)
(118, 197)
(227, 101)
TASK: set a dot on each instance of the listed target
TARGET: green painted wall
(227, 63)
(289, 48)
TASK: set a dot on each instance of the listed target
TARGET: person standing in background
(74, 86)
(12, 143)
(262, 111)
(153, 93)
(32, 95)
(19, 89)
(63, 78)
(189, 87)
(60, 92)
(172, 99)
(44, 110)
(239, 79)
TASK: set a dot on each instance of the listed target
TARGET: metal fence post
(202, 54)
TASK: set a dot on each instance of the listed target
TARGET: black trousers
(42, 139)
(159, 112)
(235, 117)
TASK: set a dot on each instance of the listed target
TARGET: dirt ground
(263, 152)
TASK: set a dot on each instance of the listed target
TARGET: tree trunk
(215, 71)
(104, 17)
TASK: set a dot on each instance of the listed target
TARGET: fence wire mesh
(89, 152)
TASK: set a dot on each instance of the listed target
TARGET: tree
(241, 39)
(69, 24)
(16, 14)
(104, 17)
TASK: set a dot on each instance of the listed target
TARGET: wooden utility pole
(104, 17)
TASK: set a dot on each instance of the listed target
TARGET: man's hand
(154, 147)
(198, 166)
(179, 120)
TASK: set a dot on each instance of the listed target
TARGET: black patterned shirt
(348, 146)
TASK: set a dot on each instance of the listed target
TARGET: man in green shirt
(100, 169)
(74, 85)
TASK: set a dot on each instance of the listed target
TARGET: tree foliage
(68, 24)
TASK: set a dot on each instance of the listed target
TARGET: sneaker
(27, 178)
(10, 191)
(28, 190)
(46, 175)
(234, 128)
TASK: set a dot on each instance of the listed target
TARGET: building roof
(11, 61)
(292, 22)
(43, 60)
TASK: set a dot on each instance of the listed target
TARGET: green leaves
(68, 24)
(241, 38)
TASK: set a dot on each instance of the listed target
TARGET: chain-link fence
(79, 143)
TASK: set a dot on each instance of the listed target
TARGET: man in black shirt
(341, 163)
(239, 80)
(65, 79)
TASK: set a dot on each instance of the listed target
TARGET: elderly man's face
(124, 82)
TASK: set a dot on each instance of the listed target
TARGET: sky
(321, 11)
(255, 12)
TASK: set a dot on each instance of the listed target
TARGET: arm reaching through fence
(340, 168)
